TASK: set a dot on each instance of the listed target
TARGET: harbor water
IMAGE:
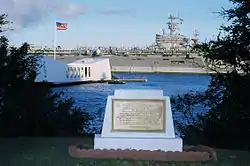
(92, 97)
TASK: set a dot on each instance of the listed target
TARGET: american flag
(61, 26)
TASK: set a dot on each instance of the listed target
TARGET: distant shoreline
(168, 73)
(159, 70)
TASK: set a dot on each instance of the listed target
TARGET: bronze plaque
(138, 115)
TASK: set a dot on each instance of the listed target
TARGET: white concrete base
(164, 144)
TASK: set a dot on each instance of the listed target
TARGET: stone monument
(138, 119)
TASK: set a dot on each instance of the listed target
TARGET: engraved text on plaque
(142, 115)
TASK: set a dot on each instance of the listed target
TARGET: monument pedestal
(138, 119)
(164, 144)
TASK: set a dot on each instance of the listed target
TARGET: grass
(54, 152)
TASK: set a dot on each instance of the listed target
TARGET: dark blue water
(92, 97)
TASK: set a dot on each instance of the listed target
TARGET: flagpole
(55, 36)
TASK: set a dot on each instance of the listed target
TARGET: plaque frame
(163, 130)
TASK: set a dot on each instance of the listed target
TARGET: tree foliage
(3, 22)
(227, 123)
(27, 109)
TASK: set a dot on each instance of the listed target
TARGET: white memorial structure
(83, 70)
(138, 119)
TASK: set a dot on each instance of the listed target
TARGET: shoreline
(168, 73)
(160, 70)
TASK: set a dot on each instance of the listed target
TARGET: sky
(107, 22)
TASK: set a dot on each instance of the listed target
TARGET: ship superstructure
(173, 41)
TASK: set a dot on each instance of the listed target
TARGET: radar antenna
(172, 25)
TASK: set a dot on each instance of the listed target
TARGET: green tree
(3, 22)
(31, 110)
(227, 123)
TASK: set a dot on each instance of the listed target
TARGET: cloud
(70, 10)
(24, 13)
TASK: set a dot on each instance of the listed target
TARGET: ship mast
(172, 25)
(196, 36)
